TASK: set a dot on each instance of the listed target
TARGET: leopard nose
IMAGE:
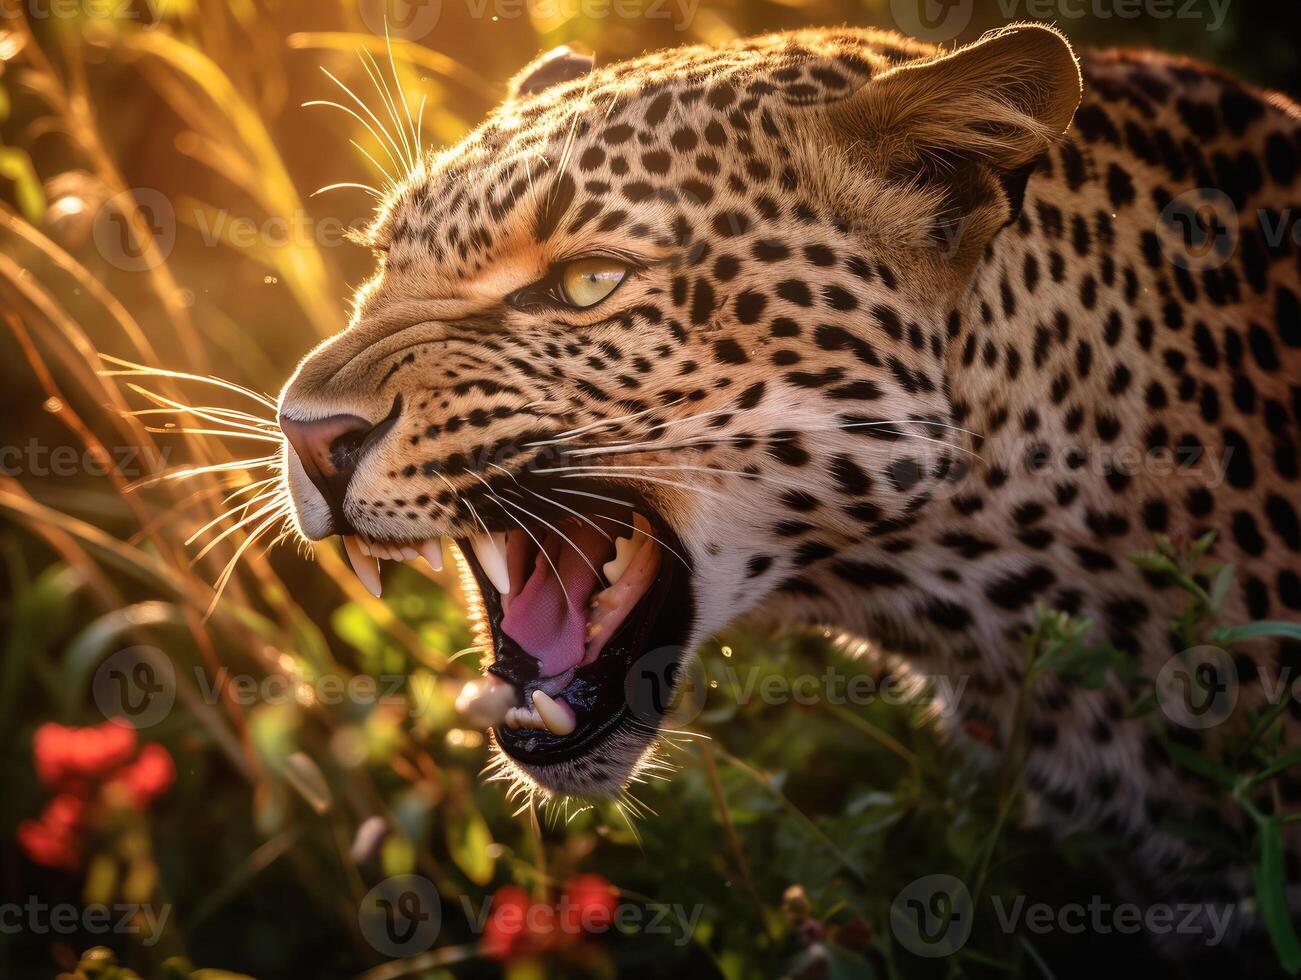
(331, 448)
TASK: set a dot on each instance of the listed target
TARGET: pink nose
(330, 449)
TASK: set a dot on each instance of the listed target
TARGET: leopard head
(642, 345)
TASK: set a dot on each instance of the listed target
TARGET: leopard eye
(585, 282)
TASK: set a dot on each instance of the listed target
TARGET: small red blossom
(519, 926)
(55, 839)
(149, 776)
(507, 935)
(79, 764)
(589, 904)
(66, 757)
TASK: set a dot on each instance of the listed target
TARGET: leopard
(841, 328)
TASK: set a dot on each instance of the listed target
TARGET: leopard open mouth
(573, 600)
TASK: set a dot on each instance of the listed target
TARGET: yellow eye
(585, 282)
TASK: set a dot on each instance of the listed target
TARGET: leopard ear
(970, 124)
(561, 64)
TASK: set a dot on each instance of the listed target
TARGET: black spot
(1017, 589)
(729, 352)
(946, 615)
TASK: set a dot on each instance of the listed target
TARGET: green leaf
(1274, 768)
(304, 775)
(1198, 763)
(16, 165)
(1228, 635)
(1154, 561)
(469, 840)
(1271, 896)
(1220, 586)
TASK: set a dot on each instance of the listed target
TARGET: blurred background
(293, 772)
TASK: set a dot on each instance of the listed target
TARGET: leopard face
(655, 339)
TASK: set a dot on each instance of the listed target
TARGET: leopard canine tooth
(431, 550)
(625, 550)
(556, 715)
(366, 567)
(490, 550)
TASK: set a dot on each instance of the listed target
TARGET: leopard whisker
(390, 102)
(581, 472)
(548, 525)
(615, 520)
(219, 588)
(755, 477)
(144, 371)
(275, 498)
(383, 141)
(256, 463)
(501, 503)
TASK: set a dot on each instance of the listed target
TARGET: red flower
(79, 763)
(65, 757)
(55, 839)
(592, 900)
(149, 776)
(507, 933)
(519, 926)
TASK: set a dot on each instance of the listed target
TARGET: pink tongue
(548, 617)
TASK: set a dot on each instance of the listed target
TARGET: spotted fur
(896, 324)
